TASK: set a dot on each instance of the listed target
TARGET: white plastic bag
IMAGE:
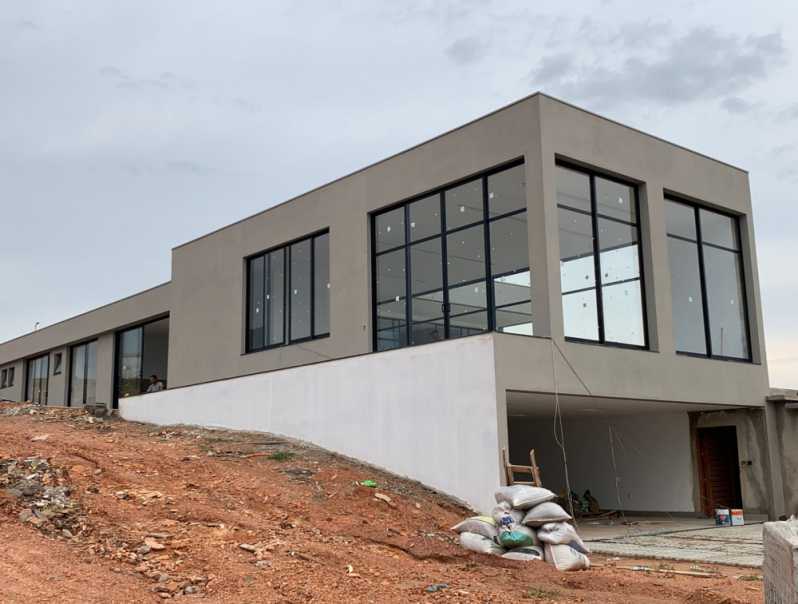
(523, 497)
(532, 552)
(564, 557)
(480, 544)
(562, 533)
(481, 525)
(545, 513)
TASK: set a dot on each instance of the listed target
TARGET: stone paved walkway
(737, 545)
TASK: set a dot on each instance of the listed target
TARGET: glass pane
(154, 352)
(426, 266)
(509, 245)
(91, 373)
(391, 325)
(464, 204)
(511, 289)
(321, 285)
(718, 229)
(427, 306)
(129, 369)
(300, 290)
(275, 297)
(423, 333)
(515, 319)
(391, 276)
(390, 229)
(467, 299)
(425, 217)
(623, 313)
(615, 200)
(688, 311)
(680, 219)
(77, 378)
(577, 269)
(573, 189)
(256, 308)
(580, 318)
(466, 255)
(468, 325)
(725, 303)
(619, 251)
(507, 191)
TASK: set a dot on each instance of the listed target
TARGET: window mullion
(312, 287)
(267, 287)
(445, 267)
(702, 277)
(408, 279)
(596, 259)
(488, 268)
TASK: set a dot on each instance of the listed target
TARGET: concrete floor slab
(689, 539)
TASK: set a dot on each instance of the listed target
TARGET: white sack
(480, 544)
(523, 497)
(545, 513)
(532, 552)
(562, 533)
(502, 510)
(481, 525)
(564, 557)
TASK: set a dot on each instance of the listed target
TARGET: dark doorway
(719, 469)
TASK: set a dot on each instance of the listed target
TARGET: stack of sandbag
(526, 524)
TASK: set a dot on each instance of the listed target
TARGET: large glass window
(707, 284)
(142, 356)
(38, 379)
(453, 263)
(288, 291)
(600, 263)
(83, 376)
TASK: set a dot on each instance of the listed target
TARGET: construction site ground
(195, 514)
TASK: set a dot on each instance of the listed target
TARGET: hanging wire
(559, 431)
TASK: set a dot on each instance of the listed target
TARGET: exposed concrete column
(775, 485)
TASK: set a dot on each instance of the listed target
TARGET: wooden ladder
(533, 469)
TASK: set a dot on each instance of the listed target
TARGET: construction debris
(40, 495)
(525, 518)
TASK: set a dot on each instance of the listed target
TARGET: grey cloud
(790, 113)
(165, 81)
(781, 150)
(701, 64)
(28, 25)
(737, 105)
(465, 50)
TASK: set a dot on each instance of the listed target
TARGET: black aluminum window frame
(118, 355)
(69, 377)
(489, 278)
(58, 361)
(594, 215)
(700, 243)
(4, 378)
(286, 249)
(11, 372)
(28, 383)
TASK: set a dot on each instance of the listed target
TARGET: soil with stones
(95, 510)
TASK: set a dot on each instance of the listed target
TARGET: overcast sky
(127, 128)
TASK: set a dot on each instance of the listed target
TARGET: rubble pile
(40, 494)
(526, 524)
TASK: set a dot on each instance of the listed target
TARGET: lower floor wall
(426, 412)
(628, 462)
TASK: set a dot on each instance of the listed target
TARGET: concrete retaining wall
(780, 568)
(427, 412)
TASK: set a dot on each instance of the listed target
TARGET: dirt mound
(180, 512)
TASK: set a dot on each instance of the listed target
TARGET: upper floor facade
(540, 222)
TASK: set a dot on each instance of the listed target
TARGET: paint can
(722, 517)
(737, 518)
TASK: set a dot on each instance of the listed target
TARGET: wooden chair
(532, 469)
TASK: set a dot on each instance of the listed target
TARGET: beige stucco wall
(208, 274)
(206, 296)
(100, 324)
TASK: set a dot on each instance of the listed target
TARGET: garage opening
(622, 455)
